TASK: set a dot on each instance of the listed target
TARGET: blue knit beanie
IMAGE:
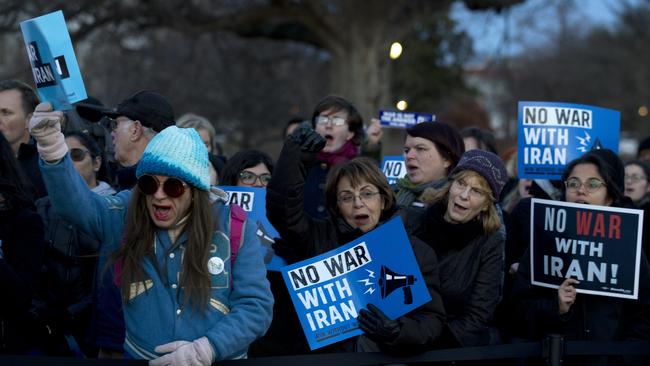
(179, 153)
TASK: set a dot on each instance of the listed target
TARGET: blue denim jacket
(240, 310)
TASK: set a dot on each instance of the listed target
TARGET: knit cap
(448, 141)
(179, 153)
(487, 165)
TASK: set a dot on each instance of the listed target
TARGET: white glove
(45, 127)
(183, 353)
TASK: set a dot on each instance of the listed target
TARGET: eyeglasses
(77, 154)
(334, 120)
(247, 177)
(173, 187)
(460, 186)
(635, 177)
(591, 185)
(365, 197)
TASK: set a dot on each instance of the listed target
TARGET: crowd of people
(120, 244)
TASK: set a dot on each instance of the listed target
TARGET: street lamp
(395, 50)
(643, 111)
(402, 105)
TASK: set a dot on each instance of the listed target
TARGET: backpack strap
(237, 219)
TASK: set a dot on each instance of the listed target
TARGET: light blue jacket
(240, 308)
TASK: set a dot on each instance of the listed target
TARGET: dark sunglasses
(173, 187)
(249, 177)
(77, 154)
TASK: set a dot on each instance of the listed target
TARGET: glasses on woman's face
(365, 196)
(77, 154)
(173, 187)
(459, 185)
(247, 177)
(634, 177)
(335, 121)
(591, 185)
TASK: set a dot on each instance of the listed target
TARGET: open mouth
(459, 208)
(162, 213)
(329, 138)
(412, 168)
(361, 219)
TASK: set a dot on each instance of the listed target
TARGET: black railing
(553, 350)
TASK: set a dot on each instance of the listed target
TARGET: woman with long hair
(186, 299)
(596, 178)
(462, 226)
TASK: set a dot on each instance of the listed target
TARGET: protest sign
(599, 246)
(394, 168)
(52, 59)
(550, 135)
(253, 201)
(403, 119)
(329, 290)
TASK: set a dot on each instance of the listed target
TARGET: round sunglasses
(173, 187)
(77, 154)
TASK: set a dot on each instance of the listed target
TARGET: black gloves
(308, 139)
(377, 326)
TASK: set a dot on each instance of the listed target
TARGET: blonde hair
(489, 217)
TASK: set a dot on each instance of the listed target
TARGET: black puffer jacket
(309, 237)
(471, 273)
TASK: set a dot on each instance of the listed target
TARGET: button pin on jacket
(215, 265)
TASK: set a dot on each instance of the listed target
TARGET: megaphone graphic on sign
(390, 281)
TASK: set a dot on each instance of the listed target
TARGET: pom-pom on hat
(179, 153)
(487, 165)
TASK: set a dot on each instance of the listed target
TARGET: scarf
(347, 152)
(408, 192)
(445, 235)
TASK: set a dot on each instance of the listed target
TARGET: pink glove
(183, 353)
(45, 127)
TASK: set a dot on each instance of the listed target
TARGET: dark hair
(336, 103)
(13, 181)
(445, 137)
(28, 96)
(140, 232)
(356, 170)
(91, 144)
(291, 122)
(644, 166)
(610, 167)
(243, 160)
(484, 138)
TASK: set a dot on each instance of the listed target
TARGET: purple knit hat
(487, 165)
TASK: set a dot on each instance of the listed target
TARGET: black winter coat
(21, 240)
(471, 273)
(309, 237)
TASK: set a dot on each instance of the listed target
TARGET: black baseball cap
(148, 107)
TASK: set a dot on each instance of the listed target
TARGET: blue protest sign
(394, 168)
(253, 201)
(403, 119)
(53, 61)
(329, 290)
(599, 246)
(550, 135)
